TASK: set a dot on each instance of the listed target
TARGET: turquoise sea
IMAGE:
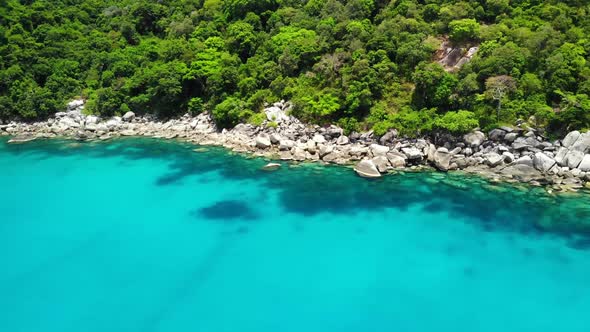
(147, 235)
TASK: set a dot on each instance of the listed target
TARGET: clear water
(145, 235)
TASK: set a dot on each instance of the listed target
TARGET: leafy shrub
(195, 105)
(257, 119)
(463, 30)
(229, 112)
(459, 122)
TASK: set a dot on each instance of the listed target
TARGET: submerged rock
(21, 139)
(522, 172)
(271, 166)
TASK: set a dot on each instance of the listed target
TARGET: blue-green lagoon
(150, 235)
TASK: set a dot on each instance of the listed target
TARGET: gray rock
(502, 148)
(334, 131)
(521, 171)
(430, 152)
(412, 153)
(342, 140)
(310, 146)
(474, 139)
(493, 159)
(75, 104)
(574, 158)
(455, 150)
(275, 138)
(358, 150)
(102, 127)
(510, 137)
(263, 141)
(570, 139)
(129, 116)
(286, 144)
(525, 143)
(179, 127)
(459, 161)
(271, 166)
(496, 134)
(542, 162)
(576, 172)
(91, 127)
(325, 149)
(508, 156)
(582, 144)
(524, 160)
(367, 135)
(388, 137)
(69, 123)
(285, 155)
(561, 156)
(367, 168)
(378, 150)
(240, 127)
(91, 119)
(128, 132)
(319, 138)
(335, 157)
(298, 154)
(507, 129)
(442, 159)
(21, 138)
(585, 164)
(382, 163)
(113, 122)
(276, 114)
(396, 159)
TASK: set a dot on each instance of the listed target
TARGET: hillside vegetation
(364, 64)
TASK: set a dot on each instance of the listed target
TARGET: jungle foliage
(359, 63)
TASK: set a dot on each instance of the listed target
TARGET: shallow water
(147, 235)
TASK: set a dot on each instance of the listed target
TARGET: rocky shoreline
(504, 154)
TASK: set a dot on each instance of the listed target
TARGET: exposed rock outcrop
(508, 153)
(367, 168)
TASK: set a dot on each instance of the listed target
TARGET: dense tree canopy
(361, 63)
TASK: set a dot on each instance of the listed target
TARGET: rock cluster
(512, 154)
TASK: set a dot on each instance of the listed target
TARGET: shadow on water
(227, 211)
(311, 189)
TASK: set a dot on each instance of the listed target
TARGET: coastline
(511, 155)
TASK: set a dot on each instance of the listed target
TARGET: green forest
(363, 64)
